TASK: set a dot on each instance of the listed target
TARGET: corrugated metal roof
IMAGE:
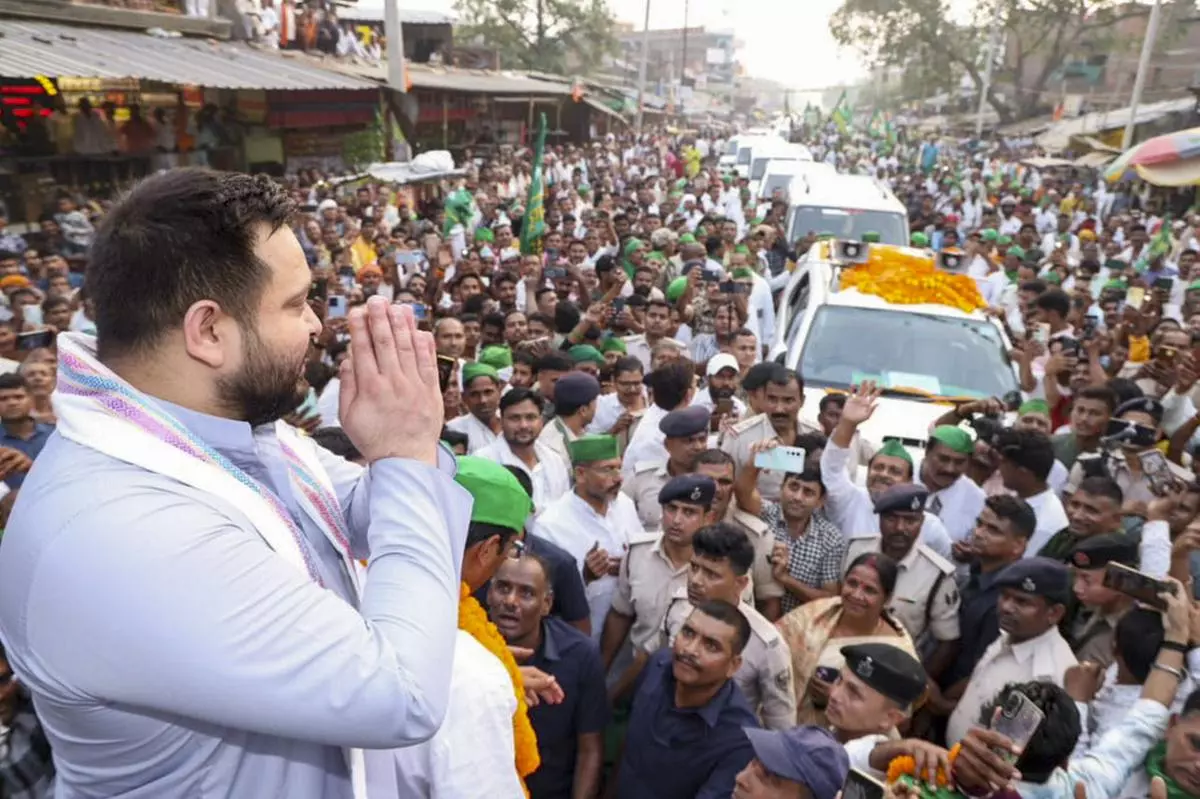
(453, 79)
(28, 49)
(408, 16)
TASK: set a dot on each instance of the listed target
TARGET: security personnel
(575, 396)
(926, 596)
(686, 436)
(779, 399)
(721, 559)
(655, 565)
(875, 693)
(1095, 625)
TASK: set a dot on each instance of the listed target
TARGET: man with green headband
(482, 697)
(481, 395)
(852, 507)
(595, 522)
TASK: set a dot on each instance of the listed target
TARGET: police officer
(1094, 626)
(721, 559)
(656, 564)
(686, 436)
(874, 694)
(803, 761)
(925, 598)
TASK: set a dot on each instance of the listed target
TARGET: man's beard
(266, 388)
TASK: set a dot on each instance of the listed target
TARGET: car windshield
(847, 223)
(910, 352)
(776, 183)
(744, 156)
(731, 148)
(760, 166)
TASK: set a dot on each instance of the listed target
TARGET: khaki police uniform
(762, 577)
(738, 439)
(926, 595)
(645, 584)
(765, 676)
(648, 479)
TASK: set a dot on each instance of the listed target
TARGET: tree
(1042, 39)
(556, 36)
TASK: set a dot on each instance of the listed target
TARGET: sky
(780, 42)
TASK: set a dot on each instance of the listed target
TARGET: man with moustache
(172, 499)
(481, 395)
(518, 446)
(953, 497)
(685, 436)
(722, 373)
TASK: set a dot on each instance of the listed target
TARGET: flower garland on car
(908, 279)
(903, 769)
(473, 620)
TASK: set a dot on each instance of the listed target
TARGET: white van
(779, 175)
(846, 206)
(774, 153)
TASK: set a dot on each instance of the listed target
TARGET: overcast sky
(780, 41)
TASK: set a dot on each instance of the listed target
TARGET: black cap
(575, 389)
(696, 489)
(1097, 551)
(902, 497)
(1039, 576)
(889, 670)
(758, 375)
(1142, 404)
(686, 422)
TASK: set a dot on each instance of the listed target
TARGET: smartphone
(826, 673)
(446, 366)
(35, 340)
(618, 305)
(1131, 582)
(418, 310)
(1134, 297)
(782, 459)
(1089, 327)
(1041, 333)
(723, 406)
(555, 272)
(1068, 346)
(346, 275)
(337, 306)
(1017, 719)
(551, 255)
(728, 287)
(710, 276)
(1157, 471)
(860, 785)
(1164, 284)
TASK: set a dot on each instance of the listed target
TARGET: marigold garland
(906, 766)
(473, 620)
(908, 279)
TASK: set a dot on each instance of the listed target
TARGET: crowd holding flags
(535, 207)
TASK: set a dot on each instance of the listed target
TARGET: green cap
(1119, 285)
(1003, 241)
(499, 497)
(656, 257)
(474, 369)
(584, 188)
(1034, 406)
(727, 179)
(484, 234)
(955, 438)
(919, 239)
(741, 249)
(1193, 286)
(589, 449)
(687, 238)
(676, 288)
(989, 234)
(1116, 263)
(1017, 252)
(585, 352)
(632, 246)
(1054, 277)
(894, 449)
(613, 344)
(681, 183)
(743, 272)
(758, 220)
(496, 356)
(871, 237)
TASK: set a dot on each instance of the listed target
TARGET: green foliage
(366, 147)
(556, 36)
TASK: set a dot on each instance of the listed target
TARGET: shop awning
(30, 49)
(1095, 160)
(1059, 135)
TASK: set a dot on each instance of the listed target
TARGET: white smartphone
(337, 306)
(782, 459)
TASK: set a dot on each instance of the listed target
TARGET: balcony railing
(196, 17)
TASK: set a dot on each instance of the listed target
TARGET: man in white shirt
(1033, 597)
(518, 445)
(954, 498)
(1026, 458)
(481, 395)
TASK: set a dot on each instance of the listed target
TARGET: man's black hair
(336, 441)
(1102, 486)
(1136, 640)
(726, 613)
(1014, 510)
(671, 382)
(517, 395)
(723, 541)
(1052, 744)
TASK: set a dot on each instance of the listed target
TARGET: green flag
(842, 115)
(875, 126)
(534, 224)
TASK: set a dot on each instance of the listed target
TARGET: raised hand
(861, 403)
(391, 405)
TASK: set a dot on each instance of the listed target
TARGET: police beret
(902, 497)
(808, 755)
(758, 375)
(1141, 404)
(889, 670)
(696, 489)
(1097, 551)
(686, 422)
(575, 389)
(1039, 576)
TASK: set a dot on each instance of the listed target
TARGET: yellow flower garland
(473, 620)
(909, 279)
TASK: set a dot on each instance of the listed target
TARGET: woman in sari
(816, 631)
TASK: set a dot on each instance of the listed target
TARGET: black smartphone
(446, 366)
(1164, 283)
(728, 287)
(618, 305)
(1068, 346)
(555, 272)
(860, 785)
(1131, 582)
(35, 340)
(551, 255)
(710, 277)
(1089, 327)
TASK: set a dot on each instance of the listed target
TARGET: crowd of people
(371, 500)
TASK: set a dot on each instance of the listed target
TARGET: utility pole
(683, 56)
(395, 45)
(642, 71)
(1139, 83)
(993, 44)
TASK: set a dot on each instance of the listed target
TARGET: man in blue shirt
(570, 734)
(686, 727)
(20, 431)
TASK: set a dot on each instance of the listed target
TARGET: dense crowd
(660, 598)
